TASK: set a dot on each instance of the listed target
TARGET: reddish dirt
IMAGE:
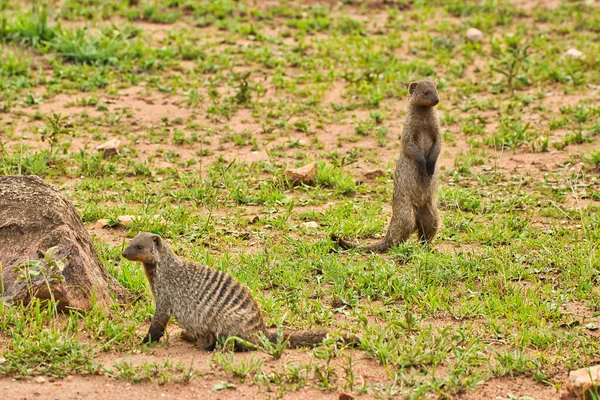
(149, 107)
(100, 387)
(503, 388)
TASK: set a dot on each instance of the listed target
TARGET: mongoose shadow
(210, 305)
(414, 202)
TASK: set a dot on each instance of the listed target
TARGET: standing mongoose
(207, 303)
(414, 201)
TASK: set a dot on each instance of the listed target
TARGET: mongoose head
(145, 247)
(423, 93)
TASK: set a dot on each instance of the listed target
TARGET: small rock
(40, 379)
(2, 360)
(581, 382)
(574, 53)
(591, 326)
(69, 378)
(303, 175)
(376, 173)
(255, 219)
(585, 376)
(101, 224)
(310, 224)
(474, 35)
(58, 384)
(345, 396)
(110, 148)
(125, 219)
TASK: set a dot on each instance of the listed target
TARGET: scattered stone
(255, 219)
(2, 360)
(376, 173)
(303, 175)
(69, 378)
(38, 221)
(591, 326)
(574, 53)
(580, 382)
(110, 148)
(40, 379)
(474, 35)
(125, 219)
(311, 225)
(101, 224)
(222, 385)
(345, 396)
(585, 376)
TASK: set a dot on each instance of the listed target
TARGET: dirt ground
(148, 108)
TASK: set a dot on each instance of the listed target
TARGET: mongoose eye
(138, 247)
(427, 93)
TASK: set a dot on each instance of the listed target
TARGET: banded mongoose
(207, 303)
(414, 202)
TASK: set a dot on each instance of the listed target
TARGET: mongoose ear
(412, 87)
(157, 240)
(434, 84)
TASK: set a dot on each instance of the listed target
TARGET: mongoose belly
(218, 307)
(408, 187)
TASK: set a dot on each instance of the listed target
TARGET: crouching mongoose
(208, 304)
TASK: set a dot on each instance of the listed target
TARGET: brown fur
(209, 304)
(414, 203)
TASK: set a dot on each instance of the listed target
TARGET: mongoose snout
(143, 248)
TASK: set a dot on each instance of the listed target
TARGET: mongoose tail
(306, 338)
(380, 246)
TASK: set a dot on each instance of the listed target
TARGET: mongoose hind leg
(428, 222)
(206, 342)
(402, 223)
(187, 337)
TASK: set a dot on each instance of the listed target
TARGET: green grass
(213, 100)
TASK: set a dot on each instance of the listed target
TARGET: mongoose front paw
(430, 169)
(147, 339)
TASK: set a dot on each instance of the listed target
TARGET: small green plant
(243, 89)
(274, 349)
(49, 270)
(594, 158)
(512, 133)
(302, 125)
(243, 370)
(57, 126)
(512, 58)
(80, 46)
(31, 28)
(162, 373)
